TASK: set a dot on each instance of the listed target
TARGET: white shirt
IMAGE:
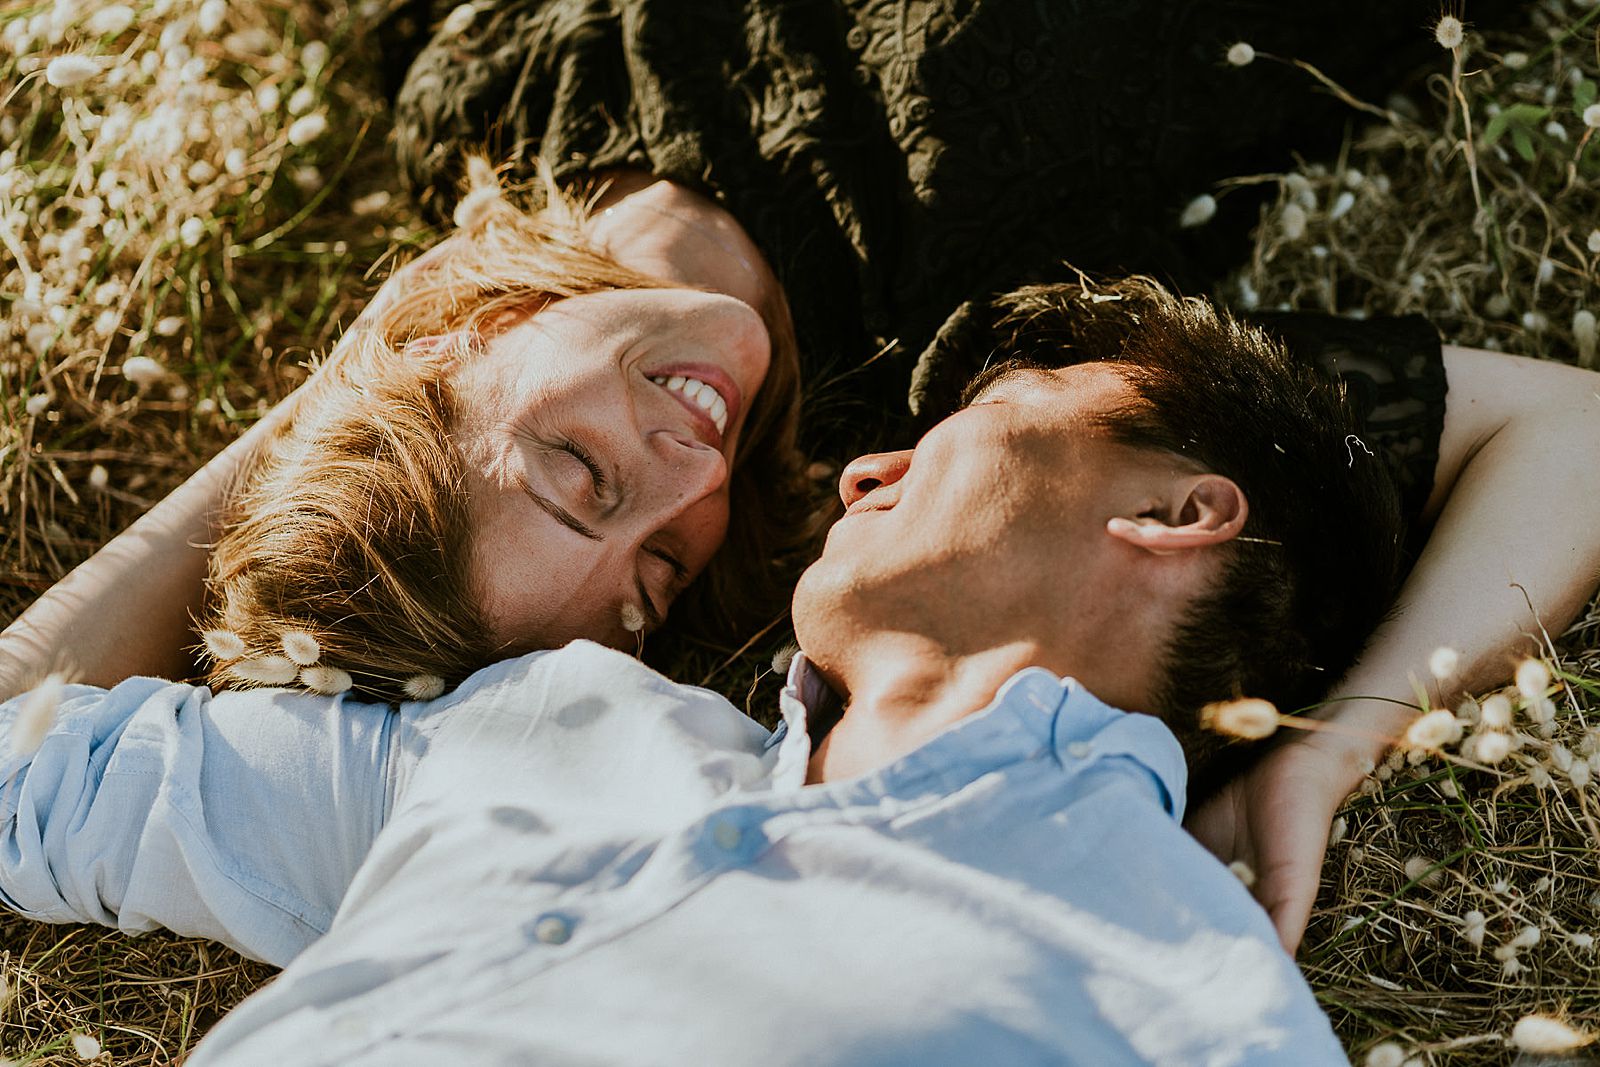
(581, 862)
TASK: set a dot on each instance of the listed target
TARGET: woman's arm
(126, 610)
(1518, 528)
(240, 817)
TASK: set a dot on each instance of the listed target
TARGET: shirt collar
(1057, 712)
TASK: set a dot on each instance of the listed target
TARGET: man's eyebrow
(990, 377)
(559, 513)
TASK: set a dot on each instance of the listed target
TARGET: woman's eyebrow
(559, 513)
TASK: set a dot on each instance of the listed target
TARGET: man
(980, 862)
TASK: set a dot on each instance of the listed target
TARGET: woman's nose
(861, 476)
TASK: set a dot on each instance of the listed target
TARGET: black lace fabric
(897, 158)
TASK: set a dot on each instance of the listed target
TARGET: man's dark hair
(1316, 566)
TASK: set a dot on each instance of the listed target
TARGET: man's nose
(867, 473)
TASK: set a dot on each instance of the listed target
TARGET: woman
(521, 442)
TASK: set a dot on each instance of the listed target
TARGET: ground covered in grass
(192, 196)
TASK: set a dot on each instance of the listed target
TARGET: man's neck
(902, 690)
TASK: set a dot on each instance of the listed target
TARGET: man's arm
(241, 817)
(1518, 528)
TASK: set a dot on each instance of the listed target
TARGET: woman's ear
(1203, 510)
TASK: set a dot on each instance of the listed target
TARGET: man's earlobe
(1205, 510)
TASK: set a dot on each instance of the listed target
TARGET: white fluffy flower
(109, 21)
(328, 681)
(1433, 730)
(1449, 32)
(1515, 60)
(458, 20)
(313, 57)
(1594, 240)
(1293, 221)
(1473, 927)
(224, 645)
(99, 478)
(1591, 114)
(191, 232)
(1584, 335)
(1533, 678)
(35, 717)
(1443, 663)
(1241, 54)
(1250, 718)
(1419, 869)
(38, 404)
(142, 370)
(85, 1046)
(1198, 211)
(1542, 1034)
(1385, 1054)
(474, 205)
(265, 670)
(301, 647)
(424, 687)
(1492, 747)
(307, 129)
(632, 617)
(211, 16)
(1244, 872)
(69, 70)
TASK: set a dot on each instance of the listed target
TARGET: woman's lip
(705, 428)
(712, 375)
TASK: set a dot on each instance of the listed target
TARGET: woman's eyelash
(678, 569)
(584, 456)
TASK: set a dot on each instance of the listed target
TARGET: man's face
(997, 515)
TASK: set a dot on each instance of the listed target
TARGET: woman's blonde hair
(346, 554)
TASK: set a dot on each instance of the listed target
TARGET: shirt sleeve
(239, 817)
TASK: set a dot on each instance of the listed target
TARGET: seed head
(1591, 115)
(1433, 730)
(1594, 240)
(1579, 774)
(66, 71)
(36, 716)
(301, 647)
(307, 128)
(424, 687)
(1341, 206)
(1419, 869)
(475, 206)
(1473, 926)
(212, 14)
(143, 371)
(191, 231)
(38, 404)
(328, 681)
(109, 21)
(1584, 334)
(1496, 711)
(313, 57)
(1198, 211)
(85, 1046)
(265, 670)
(225, 646)
(1244, 872)
(1293, 221)
(1385, 1054)
(458, 20)
(1241, 54)
(1527, 937)
(1337, 831)
(1249, 719)
(1533, 678)
(1515, 60)
(1449, 32)
(1535, 321)
(1443, 662)
(632, 617)
(1542, 1034)
(99, 478)
(783, 657)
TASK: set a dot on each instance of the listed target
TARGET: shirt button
(727, 836)
(552, 930)
(1079, 750)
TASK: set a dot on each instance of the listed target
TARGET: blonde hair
(353, 525)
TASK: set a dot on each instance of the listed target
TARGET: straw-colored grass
(138, 342)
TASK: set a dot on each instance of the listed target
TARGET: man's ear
(1204, 510)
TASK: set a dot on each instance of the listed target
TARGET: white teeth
(701, 395)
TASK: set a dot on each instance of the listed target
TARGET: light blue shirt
(572, 860)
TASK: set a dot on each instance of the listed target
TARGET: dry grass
(1494, 245)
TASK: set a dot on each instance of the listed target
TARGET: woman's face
(599, 434)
